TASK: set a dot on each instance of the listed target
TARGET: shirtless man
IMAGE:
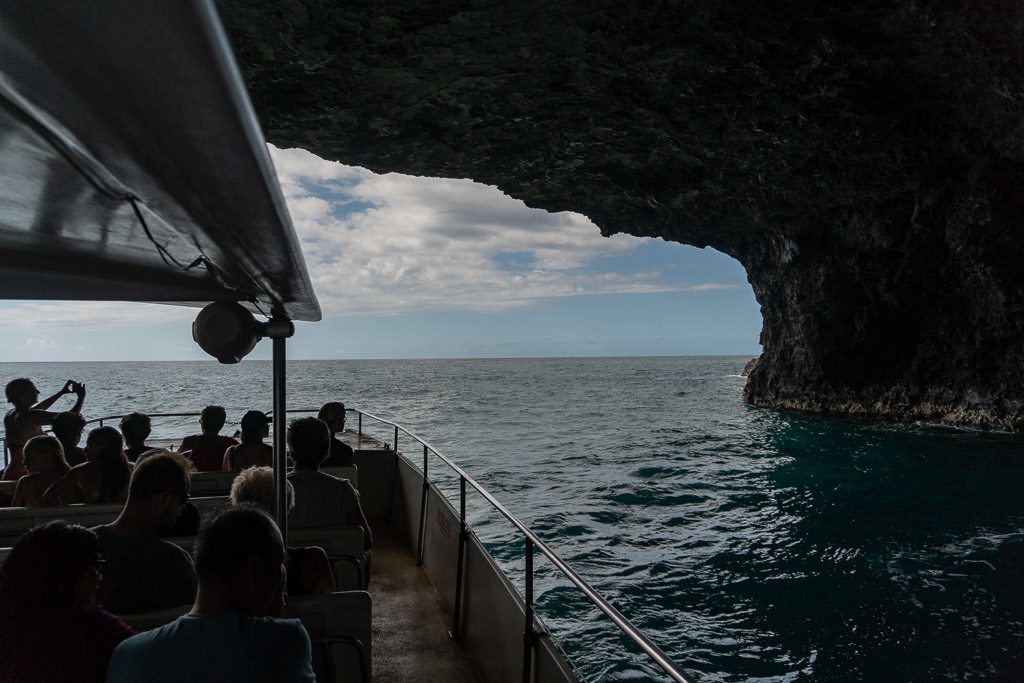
(26, 419)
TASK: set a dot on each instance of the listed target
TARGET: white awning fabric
(132, 166)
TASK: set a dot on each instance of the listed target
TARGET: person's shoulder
(284, 631)
(105, 623)
(173, 549)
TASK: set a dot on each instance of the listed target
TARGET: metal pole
(278, 330)
(463, 537)
(280, 452)
(423, 509)
(528, 636)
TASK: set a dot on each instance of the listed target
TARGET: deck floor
(410, 631)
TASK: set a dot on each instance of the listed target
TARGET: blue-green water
(749, 544)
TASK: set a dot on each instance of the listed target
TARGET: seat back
(340, 625)
(16, 521)
(351, 473)
(344, 546)
(212, 483)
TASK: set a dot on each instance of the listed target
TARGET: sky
(411, 267)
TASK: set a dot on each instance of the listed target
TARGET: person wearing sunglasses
(143, 571)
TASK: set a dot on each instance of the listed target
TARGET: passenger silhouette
(135, 427)
(68, 428)
(44, 459)
(27, 417)
(207, 449)
(320, 499)
(309, 568)
(145, 572)
(227, 636)
(102, 478)
(252, 452)
(51, 629)
(341, 454)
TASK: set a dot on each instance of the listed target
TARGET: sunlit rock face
(864, 161)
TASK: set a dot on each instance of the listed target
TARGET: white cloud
(29, 315)
(393, 243)
(38, 344)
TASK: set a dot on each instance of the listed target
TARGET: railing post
(360, 429)
(396, 439)
(423, 507)
(528, 633)
(459, 570)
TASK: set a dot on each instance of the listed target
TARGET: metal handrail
(638, 637)
(648, 646)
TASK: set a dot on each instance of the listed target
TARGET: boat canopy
(132, 166)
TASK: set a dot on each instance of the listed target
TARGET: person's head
(240, 554)
(21, 392)
(255, 423)
(333, 414)
(136, 428)
(45, 454)
(309, 440)
(104, 445)
(103, 442)
(212, 419)
(160, 485)
(68, 427)
(256, 485)
(52, 565)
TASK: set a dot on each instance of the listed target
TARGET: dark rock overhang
(863, 160)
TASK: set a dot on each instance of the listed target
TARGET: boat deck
(410, 634)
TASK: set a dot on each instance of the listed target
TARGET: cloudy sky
(409, 267)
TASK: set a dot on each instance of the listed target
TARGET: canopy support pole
(279, 329)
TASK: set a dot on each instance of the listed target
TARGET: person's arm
(67, 489)
(356, 516)
(226, 464)
(69, 387)
(79, 390)
(19, 493)
(317, 574)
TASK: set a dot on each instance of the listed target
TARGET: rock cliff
(863, 160)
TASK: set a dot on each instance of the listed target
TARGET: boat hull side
(492, 612)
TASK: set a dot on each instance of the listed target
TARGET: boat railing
(531, 541)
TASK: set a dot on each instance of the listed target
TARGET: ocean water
(749, 544)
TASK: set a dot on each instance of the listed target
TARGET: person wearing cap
(252, 452)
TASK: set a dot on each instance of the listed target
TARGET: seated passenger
(341, 455)
(309, 569)
(320, 499)
(144, 572)
(68, 428)
(227, 635)
(27, 417)
(102, 478)
(51, 628)
(44, 458)
(252, 452)
(188, 520)
(135, 427)
(207, 449)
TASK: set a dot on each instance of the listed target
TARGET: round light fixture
(226, 331)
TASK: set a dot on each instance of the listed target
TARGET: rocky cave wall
(863, 160)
